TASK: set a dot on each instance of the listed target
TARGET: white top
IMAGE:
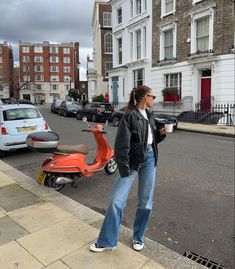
(150, 135)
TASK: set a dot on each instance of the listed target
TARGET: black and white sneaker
(98, 248)
(137, 246)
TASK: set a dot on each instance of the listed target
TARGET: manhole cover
(204, 261)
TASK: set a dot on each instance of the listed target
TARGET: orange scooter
(68, 163)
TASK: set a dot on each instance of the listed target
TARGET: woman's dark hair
(136, 95)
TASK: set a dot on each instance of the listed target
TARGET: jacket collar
(140, 116)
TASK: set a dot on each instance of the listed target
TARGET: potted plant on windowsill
(170, 94)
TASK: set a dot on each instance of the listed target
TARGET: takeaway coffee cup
(169, 127)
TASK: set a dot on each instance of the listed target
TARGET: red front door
(205, 93)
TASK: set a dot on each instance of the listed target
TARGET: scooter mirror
(84, 119)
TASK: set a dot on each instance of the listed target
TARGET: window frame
(106, 43)
(107, 69)
(56, 68)
(138, 44)
(38, 49)
(25, 49)
(164, 29)
(119, 51)
(135, 77)
(107, 19)
(66, 60)
(194, 18)
(52, 48)
(52, 58)
(119, 16)
(163, 8)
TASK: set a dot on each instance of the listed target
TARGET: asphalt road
(194, 201)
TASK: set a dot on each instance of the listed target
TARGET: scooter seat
(73, 149)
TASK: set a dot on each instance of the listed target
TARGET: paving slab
(2, 212)
(37, 217)
(13, 256)
(123, 257)
(13, 197)
(5, 180)
(58, 240)
(9, 230)
(57, 265)
(152, 265)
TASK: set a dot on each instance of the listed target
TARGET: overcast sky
(48, 20)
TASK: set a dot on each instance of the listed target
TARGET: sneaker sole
(94, 249)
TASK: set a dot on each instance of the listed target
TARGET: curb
(155, 251)
(205, 132)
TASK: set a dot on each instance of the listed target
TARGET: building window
(168, 44)
(138, 77)
(132, 8)
(54, 49)
(138, 44)
(1, 69)
(54, 87)
(26, 68)
(38, 68)
(1, 79)
(38, 59)
(26, 59)
(108, 66)
(173, 80)
(167, 7)
(54, 78)
(107, 19)
(54, 68)
(108, 43)
(26, 78)
(119, 15)
(1, 87)
(138, 7)
(25, 49)
(66, 50)
(66, 60)
(202, 34)
(38, 49)
(39, 86)
(67, 69)
(0, 49)
(66, 78)
(168, 41)
(54, 59)
(202, 31)
(119, 46)
(38, 78)
(67, 87)
(196, 1)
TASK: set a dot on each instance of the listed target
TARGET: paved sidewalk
(41, 228)
(222, 130)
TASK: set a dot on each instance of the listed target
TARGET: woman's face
(150, 98)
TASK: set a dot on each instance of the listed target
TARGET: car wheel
(79, 116)
(2, 153)
(93, 118)
(116, 121)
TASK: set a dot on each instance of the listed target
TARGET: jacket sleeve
(122, 147)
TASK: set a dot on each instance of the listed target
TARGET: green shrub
(98, 98)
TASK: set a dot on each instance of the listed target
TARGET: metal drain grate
(204, 261)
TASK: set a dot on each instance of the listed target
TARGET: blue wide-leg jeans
(109, 232)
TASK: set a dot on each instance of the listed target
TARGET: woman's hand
(163, 132)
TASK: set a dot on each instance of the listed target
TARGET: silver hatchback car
(16, 122)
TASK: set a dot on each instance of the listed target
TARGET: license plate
(27, 129)
(41, 177)
(108, 112)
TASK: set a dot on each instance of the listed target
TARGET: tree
(74, 94)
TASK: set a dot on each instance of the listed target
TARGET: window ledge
(167, 14)
(167, 61)
(200, 54)
(233, 49)
(139, 61)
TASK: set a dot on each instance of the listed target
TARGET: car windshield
(21, 114)
(73, 106)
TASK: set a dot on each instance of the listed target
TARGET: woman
(136, 155)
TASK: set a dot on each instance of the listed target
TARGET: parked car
(16, 122)
(55, 106)
(96, 112)
(69, 109)
(8, 100)
(23, 101)
(163, 118)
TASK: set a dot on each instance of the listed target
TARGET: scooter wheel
(51, 183)
(111, 166)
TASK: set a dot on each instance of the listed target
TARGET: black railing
(199, 52)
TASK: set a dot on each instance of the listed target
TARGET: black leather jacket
(131, 141)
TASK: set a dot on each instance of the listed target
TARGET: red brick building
(48, 71)
(6, 70)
